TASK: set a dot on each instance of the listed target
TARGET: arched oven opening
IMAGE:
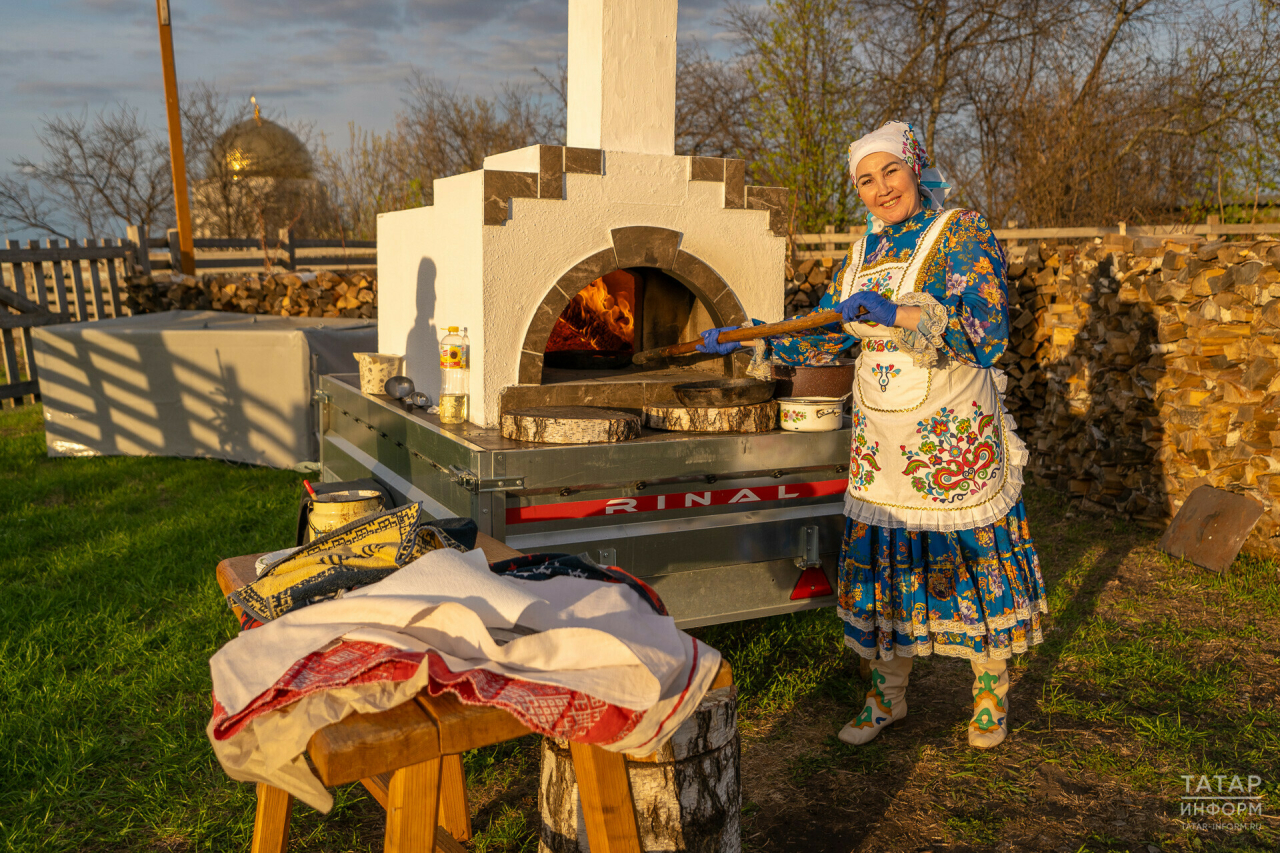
(619, 314)
(583, 352)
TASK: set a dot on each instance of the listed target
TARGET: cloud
(363, 14)
(57, 93)
(127, 8)
(24, 55)
(344, 50)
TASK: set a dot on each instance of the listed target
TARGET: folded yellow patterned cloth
(363, 552)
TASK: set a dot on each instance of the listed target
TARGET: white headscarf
(899, 139)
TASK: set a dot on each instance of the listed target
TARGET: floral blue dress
(975, 593)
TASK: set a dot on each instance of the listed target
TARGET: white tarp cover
(192, 383)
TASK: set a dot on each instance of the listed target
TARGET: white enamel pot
(811, 414)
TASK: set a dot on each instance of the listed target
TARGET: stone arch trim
(632, 246)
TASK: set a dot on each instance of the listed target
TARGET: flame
(599, 318)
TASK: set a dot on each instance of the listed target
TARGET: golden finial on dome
(257, 111)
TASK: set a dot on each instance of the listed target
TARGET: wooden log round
(569, 425)
(687, 795)
(760, 417)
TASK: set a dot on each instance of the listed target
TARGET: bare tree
(96, 173)
(713, 106)
(805, 100)
(1148, 110)
(448, 133)
(367, 177)
(440, 132)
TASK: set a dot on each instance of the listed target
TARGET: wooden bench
(410, 760)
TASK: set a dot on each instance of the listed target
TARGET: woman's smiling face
(888, 187)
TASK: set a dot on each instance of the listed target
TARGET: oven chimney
(622, 75)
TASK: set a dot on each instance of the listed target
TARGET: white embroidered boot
(886, 701)
(990, 714)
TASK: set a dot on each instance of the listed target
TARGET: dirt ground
(1152, 669)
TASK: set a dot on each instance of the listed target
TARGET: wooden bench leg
(455, 811)
(607, 809)
(413, 805)
(271, 820)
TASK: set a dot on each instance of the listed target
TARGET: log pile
(806, 282)
(1138, 372)
(299, 294)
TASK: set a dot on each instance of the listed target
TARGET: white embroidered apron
(933, 448)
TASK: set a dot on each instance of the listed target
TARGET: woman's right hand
(712, 346)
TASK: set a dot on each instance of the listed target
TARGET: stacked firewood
(806, 282)
(300, 294)
(1139, 372)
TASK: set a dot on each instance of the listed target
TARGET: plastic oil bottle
(455, 371)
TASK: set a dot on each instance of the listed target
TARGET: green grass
(1150, 669)
(109, 615)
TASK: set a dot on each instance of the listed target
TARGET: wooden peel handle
(751, 333)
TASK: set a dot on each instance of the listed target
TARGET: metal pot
(811, 414)
(815, 380)
(336, 509)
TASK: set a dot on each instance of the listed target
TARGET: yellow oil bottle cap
(453, 329)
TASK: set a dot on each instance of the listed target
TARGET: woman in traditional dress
(936, 554)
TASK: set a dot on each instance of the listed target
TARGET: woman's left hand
(877, 309)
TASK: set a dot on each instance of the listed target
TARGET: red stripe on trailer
(677, 500)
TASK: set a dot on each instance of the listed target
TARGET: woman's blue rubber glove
(868, 306)
(711, 346)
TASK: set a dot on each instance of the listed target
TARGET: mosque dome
(258, 147)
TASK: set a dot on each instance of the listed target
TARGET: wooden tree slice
(569, 425)
(759, 417)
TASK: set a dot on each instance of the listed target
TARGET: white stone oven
(505, 250)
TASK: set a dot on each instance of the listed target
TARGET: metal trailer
(724, 526)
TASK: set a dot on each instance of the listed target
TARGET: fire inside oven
(621, 313)
(599, 326)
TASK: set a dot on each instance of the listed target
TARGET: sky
(324, 62)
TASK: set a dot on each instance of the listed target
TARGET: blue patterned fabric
(966, 275)
(972, 593)
(969, 593)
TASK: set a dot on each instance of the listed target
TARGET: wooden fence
(833, 244)
(54, 283)
(77, 280)
(282, 253)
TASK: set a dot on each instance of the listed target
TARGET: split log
(759, 417)
(569, 425)
(687, 795)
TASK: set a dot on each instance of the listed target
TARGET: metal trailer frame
(721, 525)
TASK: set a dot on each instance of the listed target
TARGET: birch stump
(687, 795)
(759, 417)
(569, 425)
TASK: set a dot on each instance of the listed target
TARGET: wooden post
(271, 820)
(177, 160)
(59, 280)
(141, 250)
(1012, 225)
(37, 277)
(175, 252)
(1212, 220)
(829, 244)
(290, 254)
